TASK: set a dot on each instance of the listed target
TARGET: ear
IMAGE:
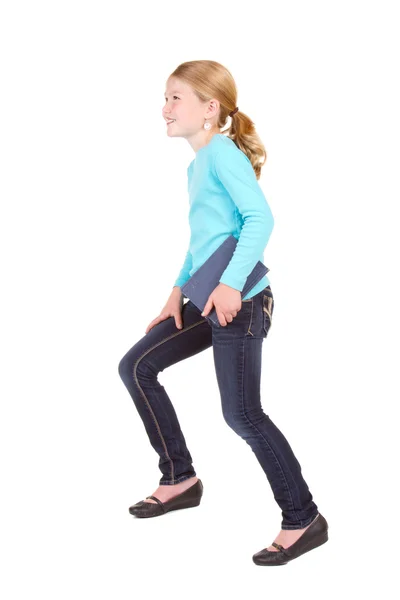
(212, 108)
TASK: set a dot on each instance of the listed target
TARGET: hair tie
(233, 111)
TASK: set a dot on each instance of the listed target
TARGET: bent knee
(125, 367)
(135, 365)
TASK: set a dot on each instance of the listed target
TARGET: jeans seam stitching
(260, 433)
(144, 395)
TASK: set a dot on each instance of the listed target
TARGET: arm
(184, 272)
(187, 264)
(236, 174)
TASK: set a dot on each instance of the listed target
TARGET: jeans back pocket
(268, 309)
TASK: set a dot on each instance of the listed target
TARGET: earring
(207, 125)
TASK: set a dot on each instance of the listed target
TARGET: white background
(94, 228)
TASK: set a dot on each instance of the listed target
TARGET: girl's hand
(227, 302)
(173, 308)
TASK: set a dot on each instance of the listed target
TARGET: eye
(174, 97)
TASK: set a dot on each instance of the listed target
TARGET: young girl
(225, 198)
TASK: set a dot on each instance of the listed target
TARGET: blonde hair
(210, 79)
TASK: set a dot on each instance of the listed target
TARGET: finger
(221, 318)
(178, 323)
(206, 309)
(151, 325)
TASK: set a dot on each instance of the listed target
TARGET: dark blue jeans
(237, 349)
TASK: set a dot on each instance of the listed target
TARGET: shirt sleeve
(184, 273)
(235, 172)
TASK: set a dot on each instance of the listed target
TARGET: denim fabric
(237, 351)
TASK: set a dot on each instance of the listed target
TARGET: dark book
(203, 282)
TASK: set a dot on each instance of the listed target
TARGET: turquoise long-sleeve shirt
(225, 199)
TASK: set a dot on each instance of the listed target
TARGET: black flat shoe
(315, 535)
(187, 499)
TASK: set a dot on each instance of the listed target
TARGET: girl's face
(182, 105)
